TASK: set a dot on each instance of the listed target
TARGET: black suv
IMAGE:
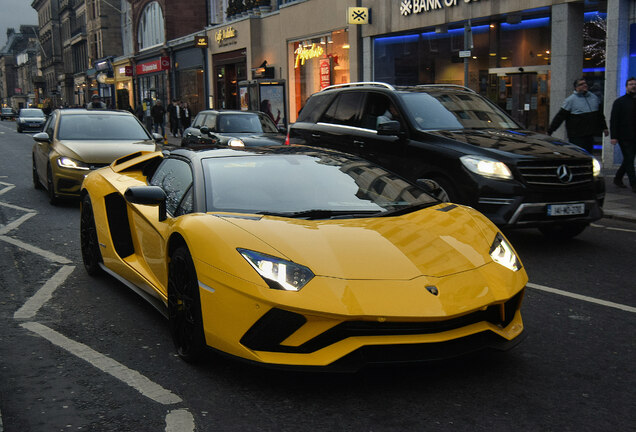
(461, 147)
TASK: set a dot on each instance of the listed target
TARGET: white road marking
(17, 207)
(7, 189)
(179, 421)
(16, 223)
(36, 250)
(612, 228)
(44, 294)
(128, 376)
(584, 298)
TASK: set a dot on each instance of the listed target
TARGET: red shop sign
(325, 73)
(154, 66)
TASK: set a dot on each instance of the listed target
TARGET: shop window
(151, 26)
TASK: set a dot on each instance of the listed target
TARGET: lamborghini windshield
(308, 184)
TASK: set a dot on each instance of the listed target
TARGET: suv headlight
(502, 253)
(596, 167)
(276, 272)
(67, 162)
(487, 167)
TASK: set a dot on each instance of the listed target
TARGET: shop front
(152, 80)
(507, 57)
(189, 78)
(315, 63)
(124, 95)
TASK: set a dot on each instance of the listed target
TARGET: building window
(151, 27)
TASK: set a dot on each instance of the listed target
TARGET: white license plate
(566, 209)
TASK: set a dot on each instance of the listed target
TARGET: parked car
(76, 141)
(464, 148)
(30, 119)
(292, 255)
(8, 114)
(232, 128)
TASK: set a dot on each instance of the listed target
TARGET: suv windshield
(454, 110)
(99, 127)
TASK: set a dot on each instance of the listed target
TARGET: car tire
(19, 130)
(439, 187)
(53, 199)
(184, 307)
(89, 244)
(36, 180)
(565, 231)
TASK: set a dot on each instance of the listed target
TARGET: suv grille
(556, 173)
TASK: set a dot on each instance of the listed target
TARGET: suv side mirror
(389, 128)
(42, 137)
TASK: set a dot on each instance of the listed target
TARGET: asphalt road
(78, 353)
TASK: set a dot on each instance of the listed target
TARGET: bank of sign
(408, 7)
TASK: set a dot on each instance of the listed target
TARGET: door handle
(315, 135)
(358, 143)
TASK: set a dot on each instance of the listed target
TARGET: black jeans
(628, 148)
(585, 142)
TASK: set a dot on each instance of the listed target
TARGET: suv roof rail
(457, 86)
(363, 83)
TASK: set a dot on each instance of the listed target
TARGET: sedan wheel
(53, 199)
(184, 307)
(91, 255)
(36, 179)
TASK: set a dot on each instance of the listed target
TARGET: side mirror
(282, 129)
(389, 128)
(157, 137)
(42, 137)
(148, 195)
(205, 130)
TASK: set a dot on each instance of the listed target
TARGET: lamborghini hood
(429, 242)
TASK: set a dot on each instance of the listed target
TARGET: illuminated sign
(201, 41)
(409, 7)
(303, 54)
(225, 34)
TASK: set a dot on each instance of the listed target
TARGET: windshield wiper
(322, 214)
(408, 209)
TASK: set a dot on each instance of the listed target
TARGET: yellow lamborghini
(301, 256)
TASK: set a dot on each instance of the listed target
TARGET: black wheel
(438, 187)
(565, 231)
(91, 255)
(19, 130)
(184, 307)
(53, 199)
(36, 179)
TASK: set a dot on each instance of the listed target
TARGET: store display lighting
(329, 40)
(346, 46)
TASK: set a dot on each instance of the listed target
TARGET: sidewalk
(620, 203)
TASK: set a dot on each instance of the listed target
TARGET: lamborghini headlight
(235, 142)
(596, 167)
(502, 253)
(487, 167)
(67, 162)
(278, 273)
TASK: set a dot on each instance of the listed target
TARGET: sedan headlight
(67, 162)
(502, 253)
(278, 273)
(235, 142)
(596, 167)
(487, 167)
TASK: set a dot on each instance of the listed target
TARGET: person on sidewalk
(174, 112)
(158, 113)
(623, 132)
(583, 117)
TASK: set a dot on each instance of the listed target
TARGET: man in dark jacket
(623, 132)
(158, 113)
(583, 117)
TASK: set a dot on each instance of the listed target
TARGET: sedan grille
(556, 173)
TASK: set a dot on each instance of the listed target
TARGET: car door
(42, 149)
(339, 126)
(385, 150)
(174, 176)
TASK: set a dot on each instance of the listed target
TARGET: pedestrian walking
(174, 112)
(158, 113)
(186, 116)
(96, 102)
(583, 116)
(623, 132)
